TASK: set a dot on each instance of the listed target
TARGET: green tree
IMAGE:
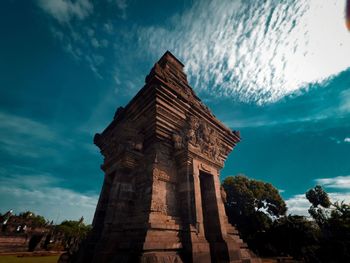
(319, 204)
(252, 206)
(33, 219)
(71, 228)
(317, 196)
(294, 236)
(74, 232)
(333, 220)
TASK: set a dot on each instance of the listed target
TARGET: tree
(333, 220)
(73, 232)
(252, 206)
(317, 196)
(33, 219)
(294, 236)
(319, 201)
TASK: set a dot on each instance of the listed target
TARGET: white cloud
(65, 10)
(257, 51)
(340, 182)
(339, 197)
(347, 139)
(299, 205)
(39, 193)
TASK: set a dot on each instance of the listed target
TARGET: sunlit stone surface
(161, 199)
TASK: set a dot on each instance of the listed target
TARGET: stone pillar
(198, 201)
(200, 245)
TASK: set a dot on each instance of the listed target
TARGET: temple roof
(169, 57)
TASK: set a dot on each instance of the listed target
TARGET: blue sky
(278, 71)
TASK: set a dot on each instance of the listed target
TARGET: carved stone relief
(203, 138)
(126, 138)
(160, 175)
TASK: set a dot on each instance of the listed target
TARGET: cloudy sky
(278, 71)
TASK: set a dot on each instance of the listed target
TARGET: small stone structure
(161, 199)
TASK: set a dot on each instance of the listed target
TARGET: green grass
(15, 259)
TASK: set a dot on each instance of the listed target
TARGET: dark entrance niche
(210, 209)
(211, 221)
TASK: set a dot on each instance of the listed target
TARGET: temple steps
(160, 221)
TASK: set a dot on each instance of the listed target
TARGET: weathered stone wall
(13, 243)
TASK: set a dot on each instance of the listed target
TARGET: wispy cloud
(251, 51)
(261, 121)
(26, 137)
(23, 136)
(340, 182)
(122, 5)
(83, 45)
(25, 126)
(65, 10)
(30, 144)
(38, 192)
(108, 27)
(74, 26)
(334, 139)
(345, 102)
(256, 51)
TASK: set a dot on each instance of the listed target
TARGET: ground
(28, 259)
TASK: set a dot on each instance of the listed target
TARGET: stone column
(198, 200)
(220, 204)
(200, 246)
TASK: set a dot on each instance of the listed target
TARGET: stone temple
(161, 199)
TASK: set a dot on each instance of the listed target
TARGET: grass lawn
(15, 259)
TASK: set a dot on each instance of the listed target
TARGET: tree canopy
(317, 196)
(252, 206)
(74, 229)
(333, 220)
(294, 236)
(36, 220)
(247, 196)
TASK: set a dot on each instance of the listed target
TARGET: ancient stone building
(161, 199)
